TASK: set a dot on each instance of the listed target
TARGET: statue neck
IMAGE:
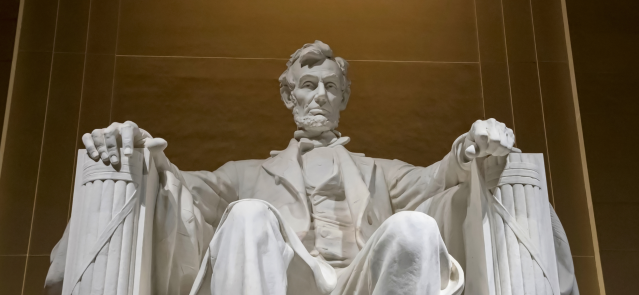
(318, 138)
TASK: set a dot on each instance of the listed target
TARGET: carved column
(110, 228)
(518, 209)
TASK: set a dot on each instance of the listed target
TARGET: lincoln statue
(314, 218)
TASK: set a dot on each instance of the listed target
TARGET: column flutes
(502, 251)
(514, 256)
(115, 247)
(99, 269)
(103, 227)
(127, 248)
(93, 214)
(517, 217)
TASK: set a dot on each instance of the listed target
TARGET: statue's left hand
(488, 138)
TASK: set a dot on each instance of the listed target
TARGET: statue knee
(250, 211)
(413, 230)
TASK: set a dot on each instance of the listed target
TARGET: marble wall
(203, 75)
(605, 42)
(8, 24)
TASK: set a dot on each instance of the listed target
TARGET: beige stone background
(203, 75)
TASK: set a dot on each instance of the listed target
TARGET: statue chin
(315, 123)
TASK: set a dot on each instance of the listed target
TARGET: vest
(332, 235)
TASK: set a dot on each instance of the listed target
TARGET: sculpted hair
(310, 54)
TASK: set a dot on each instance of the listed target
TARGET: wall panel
(203, 75)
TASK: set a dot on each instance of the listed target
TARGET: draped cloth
(464, 216)
(254, 252)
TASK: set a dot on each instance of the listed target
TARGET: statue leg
(406, 255)
(248, 253)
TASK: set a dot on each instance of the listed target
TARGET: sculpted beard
(312, 122)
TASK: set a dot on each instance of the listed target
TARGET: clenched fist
(489, 138)
(105, 143)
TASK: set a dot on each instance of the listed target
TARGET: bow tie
(308, 140)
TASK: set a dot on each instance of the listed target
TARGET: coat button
(369, 218)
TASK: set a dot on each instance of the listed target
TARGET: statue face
(318, 97)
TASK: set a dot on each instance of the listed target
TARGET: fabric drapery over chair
(498, 226)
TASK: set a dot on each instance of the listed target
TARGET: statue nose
(320, 96)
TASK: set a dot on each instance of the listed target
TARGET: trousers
(249, 255)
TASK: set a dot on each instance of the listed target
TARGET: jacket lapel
(286, 170)
(366, 166)
(285, 165)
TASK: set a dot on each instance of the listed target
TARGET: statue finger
(479, 135)
(510, 138)
(127, 135)
(141, 137)
(492, 123)
(503, 137)
(494, 140)
(98, 140)
(471, 151)
(90, 146)
(111, 142)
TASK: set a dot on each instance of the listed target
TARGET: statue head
(315, 86)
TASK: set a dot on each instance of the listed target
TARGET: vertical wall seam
(44, 127)
(77, 130)
(510, 90)
(14, 62)
(481, 78)
(541, 100)
(582, 150)
(115, 62)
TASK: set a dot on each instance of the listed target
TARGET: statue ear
(346, 95)
(287, 97)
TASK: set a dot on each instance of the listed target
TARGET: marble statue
(314, 218)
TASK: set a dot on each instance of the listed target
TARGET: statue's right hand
(105, 143)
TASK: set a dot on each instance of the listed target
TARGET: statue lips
(316, 112)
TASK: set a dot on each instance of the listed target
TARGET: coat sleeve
(188, 209)
(212, 191)
(409, 186)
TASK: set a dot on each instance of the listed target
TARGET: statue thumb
(156, 148)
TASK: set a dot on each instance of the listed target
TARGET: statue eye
(330, 85)
(308, 85)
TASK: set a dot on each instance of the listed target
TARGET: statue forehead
(327, 66)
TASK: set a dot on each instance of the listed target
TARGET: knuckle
(109, 132)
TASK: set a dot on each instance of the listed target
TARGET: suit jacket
(375, 188)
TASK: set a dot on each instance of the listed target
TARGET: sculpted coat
(375, 189)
